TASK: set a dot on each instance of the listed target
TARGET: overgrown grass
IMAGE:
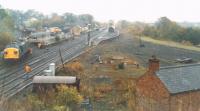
(170, 44)
(106, 82)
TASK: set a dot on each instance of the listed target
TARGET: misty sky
(103, 10)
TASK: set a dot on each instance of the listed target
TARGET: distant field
(170, 44)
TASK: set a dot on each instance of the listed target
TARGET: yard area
(109, 71)
(107, 76)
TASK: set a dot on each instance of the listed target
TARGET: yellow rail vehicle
(16, 51)
(11, 53)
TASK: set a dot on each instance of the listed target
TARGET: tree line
(34, 19)
(165, 29)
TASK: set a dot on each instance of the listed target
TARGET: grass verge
(170, 44)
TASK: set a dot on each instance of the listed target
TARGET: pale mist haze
(103, 10)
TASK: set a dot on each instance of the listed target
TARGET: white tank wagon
(45, 83)
(42, 39)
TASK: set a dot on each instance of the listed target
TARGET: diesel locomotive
(16, 51)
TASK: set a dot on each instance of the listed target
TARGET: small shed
(43, 83)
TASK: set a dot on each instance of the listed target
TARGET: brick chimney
(154, 64)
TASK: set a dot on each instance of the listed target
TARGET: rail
(15, 84)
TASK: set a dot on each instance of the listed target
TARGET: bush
(68, 96)
(74, 67)
(64, 99)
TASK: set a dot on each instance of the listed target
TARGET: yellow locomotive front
(11, 54)
(16, 51)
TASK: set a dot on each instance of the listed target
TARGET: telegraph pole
(88, 38)
(61, 58)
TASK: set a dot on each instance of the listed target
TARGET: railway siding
(14, 84)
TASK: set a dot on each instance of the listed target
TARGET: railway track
(39, 69)
(13, 82)
(5, 72)
(4, 67)
(32, 62)
(28, 82)
(32, 59)
(35, 66)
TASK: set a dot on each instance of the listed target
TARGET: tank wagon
(43, 39)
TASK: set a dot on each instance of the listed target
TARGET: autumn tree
(6, 32)
(86, 18)
(70, 18)
(166, 29)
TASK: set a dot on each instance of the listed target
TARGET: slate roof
(180, 79)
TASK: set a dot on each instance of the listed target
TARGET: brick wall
(151, 95)
(186, 101)
(149, 85)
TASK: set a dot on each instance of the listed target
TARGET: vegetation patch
(170, 43)
(62, 98)
(103, 81)
(163, 29)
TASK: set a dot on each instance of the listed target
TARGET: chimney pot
(154, 64)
